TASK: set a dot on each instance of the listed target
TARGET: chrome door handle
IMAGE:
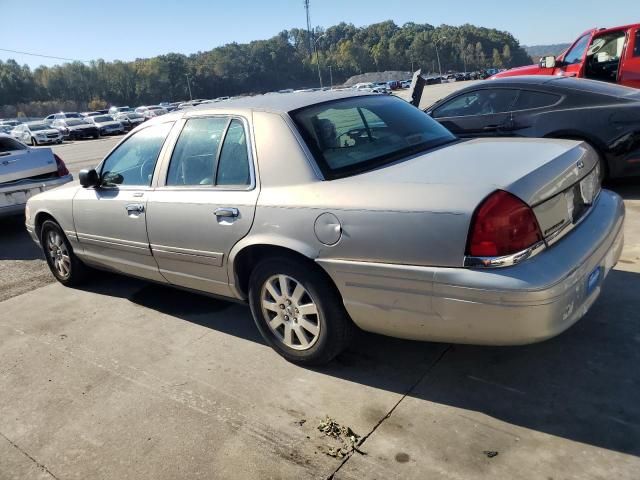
(227, 212)
(135, 208)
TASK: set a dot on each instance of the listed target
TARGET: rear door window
(478, 102)
(193, 161)
(529, 99)
(233, 166)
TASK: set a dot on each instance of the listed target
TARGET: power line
(44, 56)
(136, 61)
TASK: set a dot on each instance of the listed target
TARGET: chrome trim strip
(137, 247)
(188, 255)
(506, 260)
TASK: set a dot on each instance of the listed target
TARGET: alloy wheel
(59, 254)
(290, 312)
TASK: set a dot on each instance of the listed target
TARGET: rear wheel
(63, 263)
(298, 311)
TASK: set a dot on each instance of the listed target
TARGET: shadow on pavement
(627, 188)
(15, 242)
(583, 385)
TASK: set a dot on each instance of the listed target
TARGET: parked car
(605, 116)
(107, 125)
(25, 172)
(129, 120)
(151, 111)
(607, 54)
(10, 123)
(61, 116)
(76, 128)
(116, 110)
(36, 133)
(331, 209)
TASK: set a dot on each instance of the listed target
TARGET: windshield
(73, 122)
(124, 109)
(34, 127)
(103, 118)
(358, 134)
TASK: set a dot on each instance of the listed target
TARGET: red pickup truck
(608, 54)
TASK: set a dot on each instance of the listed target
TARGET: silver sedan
(327, 211)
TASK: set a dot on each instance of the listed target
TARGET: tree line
(287, 60)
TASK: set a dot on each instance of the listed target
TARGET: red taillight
(502, 225)
(62, 168)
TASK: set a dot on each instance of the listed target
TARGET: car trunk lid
(16, 165)
(549, 175)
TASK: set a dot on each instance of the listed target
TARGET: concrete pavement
(125, 379)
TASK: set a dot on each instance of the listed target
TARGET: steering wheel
(146, 170)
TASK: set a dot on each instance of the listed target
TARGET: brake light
(502, 225)
(62, 168)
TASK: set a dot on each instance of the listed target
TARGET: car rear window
(358, 134)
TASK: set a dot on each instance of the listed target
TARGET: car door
(110, 219)
(571, 63)
(204, 202)
(529, 105)
(630, 65)
(476, 113)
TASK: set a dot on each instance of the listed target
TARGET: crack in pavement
(390, 412)
(38, 464)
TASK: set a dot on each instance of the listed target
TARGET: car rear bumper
(525, 303)
(13, 198)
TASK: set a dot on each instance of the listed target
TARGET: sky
(125, 30)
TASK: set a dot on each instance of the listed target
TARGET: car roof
(279, 102)
(557, 82)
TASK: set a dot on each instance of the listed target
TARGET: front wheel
(298, 311)
(63, 263)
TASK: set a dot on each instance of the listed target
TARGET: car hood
(526, 70)
(46, 132)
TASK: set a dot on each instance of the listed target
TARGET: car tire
(34, 142)
(63, 263)
(311, 338)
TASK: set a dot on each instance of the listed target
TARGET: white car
(152, 111)
(37, 133)
(26, 171)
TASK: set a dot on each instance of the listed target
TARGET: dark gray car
(604, 115)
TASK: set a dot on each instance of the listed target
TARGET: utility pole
(412, 70)
(315, 46)
(331, 77)
(438, 55)
(189, 85)
(306, 7)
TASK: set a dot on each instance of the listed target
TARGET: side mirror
(89, 178)
(548, 61)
